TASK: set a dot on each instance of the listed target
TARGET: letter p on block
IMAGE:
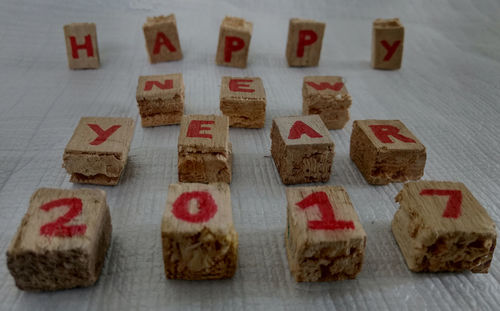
(305, 38)
(81, 46)
(234, 42)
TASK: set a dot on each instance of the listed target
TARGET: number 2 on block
(58, 227)
(453, 206)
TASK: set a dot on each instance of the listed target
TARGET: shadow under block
(98, 150)
(198, 236)
(324, 238)
(81, 46)
(326, 96)
(62, 240)
(162, 39)
(440, 226)
(305, 38)
(234, 42)
(387, 44)
(243, 100)
(204, 150)
(386, 151)
(302, 149)
(160, 99)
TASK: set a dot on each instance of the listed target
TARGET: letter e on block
(305, 38)
(81, 46)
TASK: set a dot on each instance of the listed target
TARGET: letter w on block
(167, 85)
(328, 220)
(103, 135)
(325, 85)
(453, 206)
(299, 128)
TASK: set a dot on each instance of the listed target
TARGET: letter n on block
(440, 226)
(302, 149)
(387, 43)
(305, 38)
(324, 238)
(162, 39)
(386, 151)
(62, 240)
(81, 46)
(234, 42)
(205, 153)
(198, 237)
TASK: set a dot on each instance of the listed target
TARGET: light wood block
(326, 96)
(205, 153)
(440, 226)
(81, 46)
(302, 149)
(198, 236)
(324, 237)
(62, 240)
(387, 43)
(386, 151)
(162, 39)
(160, 99)
(98, 150)
(305, 38)
(234, 42)
(243, 100)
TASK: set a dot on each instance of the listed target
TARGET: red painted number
(207, 207)
(167, 85)
(328, 221)
(162, 40)
(383, 133)
(337, 86)
(306, 37)
(240, 85)
(232, 44)
(85, 46)
(299, 128)
(59, 228)
(102, 135)
(454, 204)
(391, 49)
(196, 126)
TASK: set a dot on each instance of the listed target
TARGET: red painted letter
(299, 128)
(102, 135)
(195, 127)
(58, 227)
(328, 221)
(453, 206)
(237, 85)
(168, 84)
(161, 40)
(206, 206)
(86, 46)
(325, 85)
(232, 44)
(391, 49)
(384, 131)
(306, 37)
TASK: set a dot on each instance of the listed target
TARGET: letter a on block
(299, 128)
(162, 41)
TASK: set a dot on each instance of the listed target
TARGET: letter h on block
(234, 42)
(305, 38)
(387, 44)
(81, 46)
(162, 39)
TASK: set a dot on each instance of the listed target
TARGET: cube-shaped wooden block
(205, 153)
(98, 150)
(62, 240)
(302, 149)
(198, 236)
(234, 42)
(440, 226)
(305, 38)
(160, 99)
(162, 39)
(81, 46)
(243, 100)
(328, 97)
(387, 43)
(324, 237)
(386, 151)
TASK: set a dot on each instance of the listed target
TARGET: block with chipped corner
(234, 42)
(387, 43)
(204, 150)
(243, 100)
(62, 240)
(324, 239)
(305, 38)
(440, 226)
(160, 99)
(162, 39)
(81, 45)
(328, 97)
(386, 151)
(198, 236)
(98, 150)
(302, 149)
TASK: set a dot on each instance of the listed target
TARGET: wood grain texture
(388, 30)
(312, 51)
(84, 45)
(162, 39)
(237, 28)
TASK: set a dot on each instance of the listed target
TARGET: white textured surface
(447, 93)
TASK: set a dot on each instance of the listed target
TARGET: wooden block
(98, 150)
(162, 39)
(440, 226)
(62, 240)
(324, 238)
(302, 149)
(326, 96)
(160, 99)
(386, 151)
(243, 100)
(205, 153)
(387, 43)
(234, 42)
(198, 236)
(81, 46)
(305, 38)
